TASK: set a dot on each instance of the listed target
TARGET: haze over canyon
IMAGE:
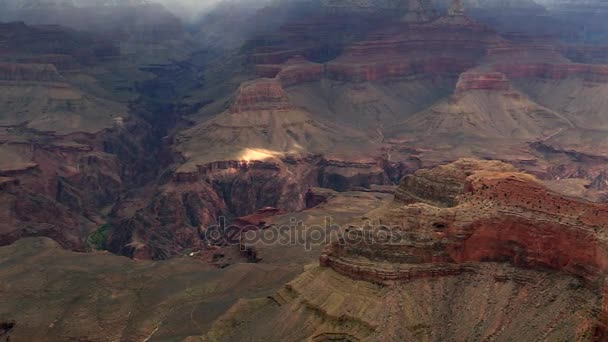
(303, 170)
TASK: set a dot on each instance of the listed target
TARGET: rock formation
(447, 220)
(466, 251)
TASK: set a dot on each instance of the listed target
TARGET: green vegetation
(97, 239)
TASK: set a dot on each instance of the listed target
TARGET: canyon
(475, 131)
(468, 234)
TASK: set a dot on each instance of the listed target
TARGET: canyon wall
(447, 220)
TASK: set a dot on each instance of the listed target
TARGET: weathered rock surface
(483, 81)
(483, 212)
(494, 302)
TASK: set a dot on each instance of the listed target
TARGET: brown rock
(469, 212)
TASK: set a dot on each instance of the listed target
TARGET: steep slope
(581, 100)
(486, 107)
(260, 119)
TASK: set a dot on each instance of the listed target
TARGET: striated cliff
(447, 220)
(483, 81)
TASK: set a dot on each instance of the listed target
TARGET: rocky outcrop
(447, 219)
(169, 224)
(483, 81)
(600, 182)
(316, 196)
(441, 185)
(258, 220)
(261, 94)
(195, 202)
(451, 218)
(299, 70)
(26, 213)
(496, 301)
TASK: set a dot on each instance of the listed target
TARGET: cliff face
(483, 81)
(448, 220)
(264, 94)
(29, 213)
(458, 222)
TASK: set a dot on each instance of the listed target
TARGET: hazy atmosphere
(303, 170)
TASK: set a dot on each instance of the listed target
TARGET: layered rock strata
(446, 220)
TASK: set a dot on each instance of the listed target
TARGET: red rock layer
(448, 45)
(260, 94)
(299, 70)
(455, 212)
(256, 220)
(482, 212)
(482, 81)
(373, 71)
